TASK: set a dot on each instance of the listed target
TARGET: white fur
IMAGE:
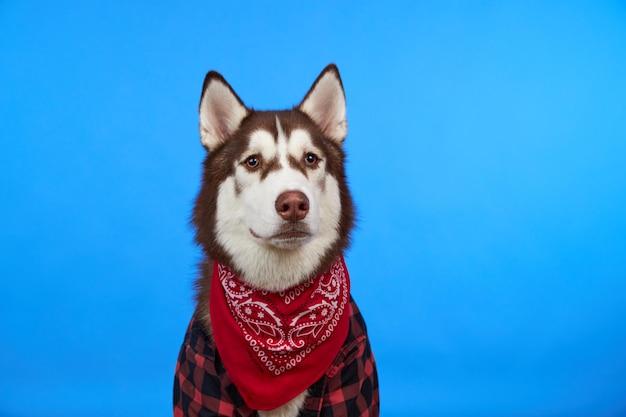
(326, 105)
(262, 142)
(290, 409)
(220, 114)
(247, 221)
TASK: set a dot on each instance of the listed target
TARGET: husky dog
(275, 331)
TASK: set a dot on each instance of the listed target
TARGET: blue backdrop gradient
(487, 151)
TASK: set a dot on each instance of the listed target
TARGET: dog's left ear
(325, 103)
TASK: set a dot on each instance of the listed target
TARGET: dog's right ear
(221, 111)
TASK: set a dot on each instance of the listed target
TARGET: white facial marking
(274, 253)
(262, 142)
(300, 143)
(281, 144)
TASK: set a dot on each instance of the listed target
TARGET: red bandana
(275, 345)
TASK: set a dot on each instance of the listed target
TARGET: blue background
(487, 151)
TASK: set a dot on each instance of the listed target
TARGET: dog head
(274, 203)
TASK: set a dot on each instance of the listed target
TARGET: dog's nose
(292, 205)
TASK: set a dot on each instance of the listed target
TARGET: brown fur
(218, 165)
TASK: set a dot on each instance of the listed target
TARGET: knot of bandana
(274, 345)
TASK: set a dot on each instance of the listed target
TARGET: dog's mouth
(287, 237)
(291, 234)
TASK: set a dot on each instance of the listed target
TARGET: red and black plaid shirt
(349, 388)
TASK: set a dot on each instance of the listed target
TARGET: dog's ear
(325, 103)
(221, 111)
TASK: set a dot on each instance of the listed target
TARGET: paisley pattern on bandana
(282, 337)
(274, 345)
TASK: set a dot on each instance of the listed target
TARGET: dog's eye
(253, 161)
(311, 159)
